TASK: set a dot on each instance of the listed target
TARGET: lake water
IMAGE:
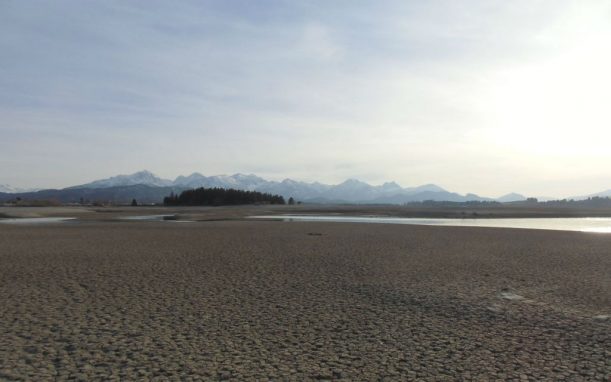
(35, 220)
(47, 220)
(156, 218)
(600, 225)
(149, 218)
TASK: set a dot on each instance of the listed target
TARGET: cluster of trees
(593, 202)
(18, 201)
(220, 197)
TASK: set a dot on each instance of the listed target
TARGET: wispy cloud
(465, 94)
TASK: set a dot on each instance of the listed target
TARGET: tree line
(220, 197)
(592, 202)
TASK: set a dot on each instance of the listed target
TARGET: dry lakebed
(113, 299)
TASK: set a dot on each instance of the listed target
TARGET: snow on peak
(141, 177)
(6, 188)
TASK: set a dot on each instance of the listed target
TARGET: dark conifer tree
(220, 197)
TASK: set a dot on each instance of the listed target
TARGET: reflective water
(35, 220)
(165, 218)
(601, 225)
(149, 217)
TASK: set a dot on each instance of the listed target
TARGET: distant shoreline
(205, 213)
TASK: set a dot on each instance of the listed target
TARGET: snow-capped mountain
(144, 184)
(241, 181)
(141, 177)
(424, 188)
(6, 188)
(13, 190)
(602, 194)
(296, 189)
(193, 180)
(511, 197)
(349, 191)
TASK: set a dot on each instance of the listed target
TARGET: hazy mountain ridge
(141, 177)
(5, 188)
(511, 197)
(119, 194)
(149, 188)
(602, 194)
(349, 191)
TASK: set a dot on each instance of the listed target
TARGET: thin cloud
(465, 94)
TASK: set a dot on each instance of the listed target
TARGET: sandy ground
(240, 300)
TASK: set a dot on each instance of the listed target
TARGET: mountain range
(350, 191)
(146, 187)
(603, 194)
(8, 189)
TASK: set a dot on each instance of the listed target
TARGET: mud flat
(90, 213)
(248, 300)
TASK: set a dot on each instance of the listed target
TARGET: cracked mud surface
(302, 301)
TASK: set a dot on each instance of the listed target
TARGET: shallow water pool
(599, 225)
(35, 220)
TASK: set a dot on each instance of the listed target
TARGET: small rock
(511, 296)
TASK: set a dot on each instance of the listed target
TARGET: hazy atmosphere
(305, 190)
(477, 96)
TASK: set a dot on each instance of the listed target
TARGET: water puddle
(150, 218)
(156, 218)
(24, 221)
(596, 225)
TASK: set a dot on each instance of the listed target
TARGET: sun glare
(557, 105)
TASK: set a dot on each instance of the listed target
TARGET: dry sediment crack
(264, 301)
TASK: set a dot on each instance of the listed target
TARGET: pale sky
(482, 96)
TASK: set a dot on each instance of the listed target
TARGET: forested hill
(220, 197)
